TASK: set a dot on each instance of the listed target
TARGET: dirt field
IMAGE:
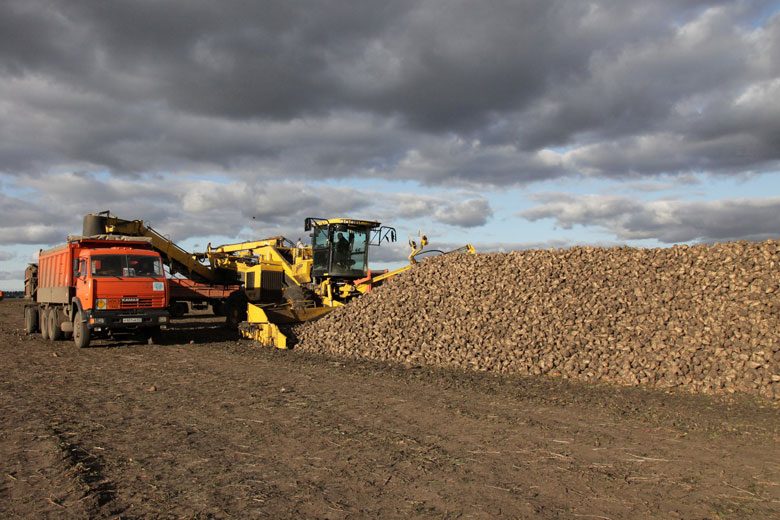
(206, 426)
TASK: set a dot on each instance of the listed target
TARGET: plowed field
(207, 426)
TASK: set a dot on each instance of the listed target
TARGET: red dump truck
(97, 286)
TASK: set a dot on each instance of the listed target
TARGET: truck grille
(134, 302)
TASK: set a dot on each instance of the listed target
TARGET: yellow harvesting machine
(292, 283)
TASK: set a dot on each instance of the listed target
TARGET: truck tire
(80, 331)
(43, 319)
(30, 320)
(235, 308)
(55, 332)
(178, 309)
(153, 335)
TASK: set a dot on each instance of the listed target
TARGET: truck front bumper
(128, 318)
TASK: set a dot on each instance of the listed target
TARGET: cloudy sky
(506, 124)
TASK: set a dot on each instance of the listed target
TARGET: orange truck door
(83, 285)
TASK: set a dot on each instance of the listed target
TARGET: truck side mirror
(79, 270)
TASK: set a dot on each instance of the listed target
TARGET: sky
(505, 124)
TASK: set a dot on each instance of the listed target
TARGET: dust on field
(208, 426)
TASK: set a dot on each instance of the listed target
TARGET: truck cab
(120, 287)
(97, 285)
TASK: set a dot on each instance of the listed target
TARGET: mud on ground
(207, 426)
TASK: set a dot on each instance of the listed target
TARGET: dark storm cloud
(11, 275)
(182, 210)
(667, 221)
(26, 223)
(333, 89)
(52, 207)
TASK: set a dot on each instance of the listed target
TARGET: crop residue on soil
(236, 431)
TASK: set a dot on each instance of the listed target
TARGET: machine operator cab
(340, 246)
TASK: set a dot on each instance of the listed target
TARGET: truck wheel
(30, 320)
(235, 308)
(55, 332)
(43, 319)
(80, 331)
(218, 308)
(153, 335)
(178, 309)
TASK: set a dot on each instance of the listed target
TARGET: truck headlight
(100, 303)
(163, 319)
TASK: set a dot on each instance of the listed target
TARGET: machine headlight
(100, 303)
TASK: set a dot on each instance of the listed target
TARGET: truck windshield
(130, 266)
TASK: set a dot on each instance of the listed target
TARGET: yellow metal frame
(259, 328)
(261, 324)
(348, 221)
(242, 255)
(120, 226)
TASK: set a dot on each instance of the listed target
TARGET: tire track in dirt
(86, 470)
(40, 480)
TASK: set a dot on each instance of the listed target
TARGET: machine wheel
(299, 297)
(179, 309)
(80, 331)
(43, 319)
(30, 320)
(55, 332)
(235, 308)
(218, 308)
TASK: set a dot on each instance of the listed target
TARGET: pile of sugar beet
(704, 318)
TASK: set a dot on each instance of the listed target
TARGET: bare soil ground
(207, 426)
